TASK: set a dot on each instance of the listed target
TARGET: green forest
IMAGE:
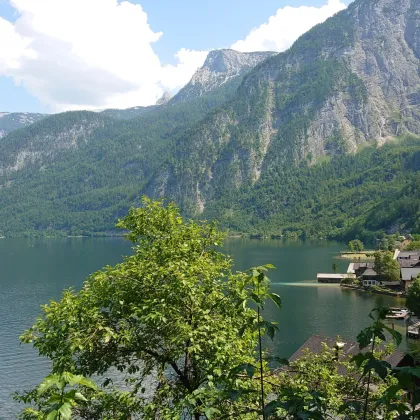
(373, 191)
(360, 195)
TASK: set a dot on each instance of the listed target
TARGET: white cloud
(286, 26)
(87, 54)
(12, 47)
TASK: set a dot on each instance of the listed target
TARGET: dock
(413, 331)
(333, 277)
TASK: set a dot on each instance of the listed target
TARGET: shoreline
(400, 295)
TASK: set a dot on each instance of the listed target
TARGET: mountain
(347, 83)
(166, 97)
(320, 140)
(220, 67)
(77, 172)
(10, 121)
(127, 113)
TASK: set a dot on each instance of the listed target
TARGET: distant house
(359, 268)
(409, 262)
(408, 275)
(370, 277)
(366, 272)
(409, 257)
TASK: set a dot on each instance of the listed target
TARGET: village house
(366, 272)
(409, 262)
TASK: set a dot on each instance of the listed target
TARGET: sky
(59, 55)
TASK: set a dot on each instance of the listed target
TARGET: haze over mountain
(262, 141)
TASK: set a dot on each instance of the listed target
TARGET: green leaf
(276, 299)
(250, 369)
(79, 396)
(211, 412)
(271, 331)
(47, 383)
(271, 328)
(379, 366)
(365, 337)
(360, 358)
(354, 406)
(88, 383)
(65, 411)
(53, 415)
(271, 408)
(395, 334)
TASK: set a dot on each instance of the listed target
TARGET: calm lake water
(35, 271)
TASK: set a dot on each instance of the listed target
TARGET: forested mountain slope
(351, 81)
(299, 143)
(10, 121)
(79, 171)
(376, 189)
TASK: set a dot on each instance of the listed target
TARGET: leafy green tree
(356, 245)
(413, 246)
(172, 317)
(413, 297)
(387, 266)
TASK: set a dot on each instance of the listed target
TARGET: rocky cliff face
(10, 121)
(43, 142)
(165, 98)
(350, 81)
(220, 67)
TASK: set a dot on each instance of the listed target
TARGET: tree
(413, 246)
(387, 266)
(413, 297)
(356, 245)
(172, 317)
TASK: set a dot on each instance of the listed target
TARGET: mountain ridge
(219, 67)
(334, 91)
(247, 150)
(10, 121)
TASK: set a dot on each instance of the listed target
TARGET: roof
(408, 263)
(331, 276)
(409, 254)
(370, 272)
(315, 344)
(363, 265)
(408, 274)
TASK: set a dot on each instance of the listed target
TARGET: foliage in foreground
(185, 334)
(173, 318)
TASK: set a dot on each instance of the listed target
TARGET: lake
(35, 271)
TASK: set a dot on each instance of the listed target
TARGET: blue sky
(198, 26)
